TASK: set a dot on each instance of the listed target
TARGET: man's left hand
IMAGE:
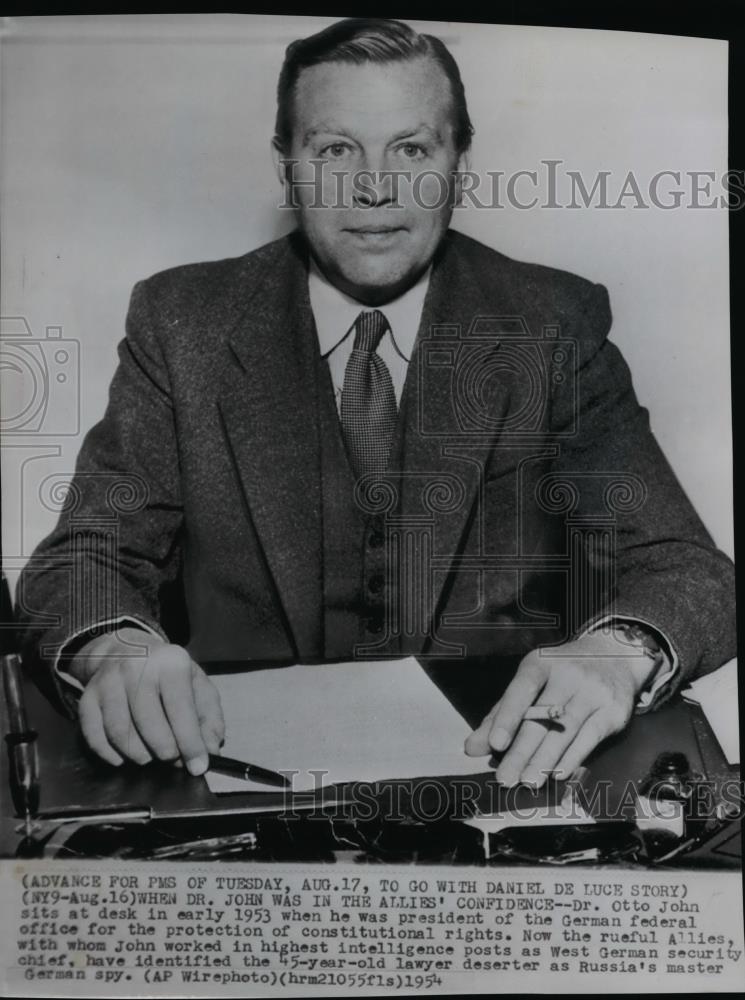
(595, 679)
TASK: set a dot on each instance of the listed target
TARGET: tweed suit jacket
(202, 479)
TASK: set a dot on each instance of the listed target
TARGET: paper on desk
(716, 693)
(358, 721)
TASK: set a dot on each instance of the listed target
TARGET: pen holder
(23, 771)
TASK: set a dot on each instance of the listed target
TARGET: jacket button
(376, 539)
(376, 583)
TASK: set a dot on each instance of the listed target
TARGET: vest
(354, 563)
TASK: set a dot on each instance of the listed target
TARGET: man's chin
(375, 286)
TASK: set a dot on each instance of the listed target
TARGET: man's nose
(372, 184)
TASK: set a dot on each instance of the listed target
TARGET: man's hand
(141, 703)
(595, 679)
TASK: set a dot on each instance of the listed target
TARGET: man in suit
(374, 437)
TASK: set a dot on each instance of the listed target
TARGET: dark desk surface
(70, 775)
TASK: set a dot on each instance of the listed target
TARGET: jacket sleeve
(116, 543)
(661, 566)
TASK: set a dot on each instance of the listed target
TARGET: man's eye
(412, 151)
(335, 150)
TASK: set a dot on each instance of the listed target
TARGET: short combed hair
(368, 40)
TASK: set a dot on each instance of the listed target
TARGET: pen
(544, 713)
(96, 814)
(23, 769)
(252, 772)
(208, 847)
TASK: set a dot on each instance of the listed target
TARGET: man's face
(359, 119)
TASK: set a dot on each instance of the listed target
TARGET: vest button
(375, 540)
(376, 583)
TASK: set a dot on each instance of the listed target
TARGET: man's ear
(279, 156)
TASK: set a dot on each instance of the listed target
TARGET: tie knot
(369, 329)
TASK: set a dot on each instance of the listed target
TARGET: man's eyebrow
(421, 129)
(326, 128)
(331, 128)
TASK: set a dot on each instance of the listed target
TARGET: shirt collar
(335, 312)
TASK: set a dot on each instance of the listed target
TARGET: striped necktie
(368, 402)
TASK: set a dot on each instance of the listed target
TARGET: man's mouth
(374, 231)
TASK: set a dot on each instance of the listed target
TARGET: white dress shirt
(335, 313)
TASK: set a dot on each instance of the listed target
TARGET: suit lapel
(268, 402)
(438, 438)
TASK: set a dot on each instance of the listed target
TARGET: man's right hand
(145, 698)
